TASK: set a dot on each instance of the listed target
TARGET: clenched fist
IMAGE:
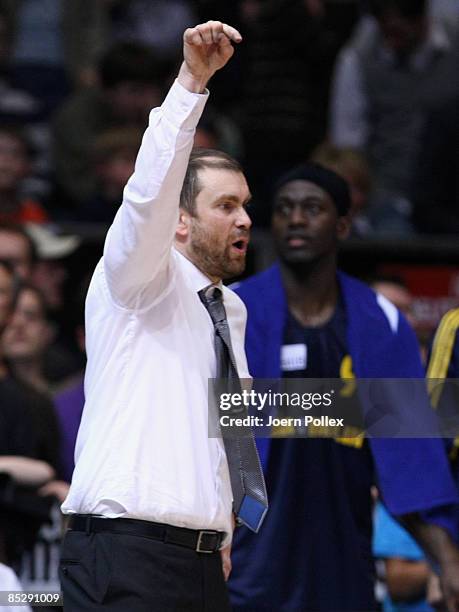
(206, 48)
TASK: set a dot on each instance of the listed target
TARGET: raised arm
(137, 248)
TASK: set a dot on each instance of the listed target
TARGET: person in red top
(15, 163)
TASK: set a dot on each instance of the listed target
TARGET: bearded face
(216, 253)
(216, 236)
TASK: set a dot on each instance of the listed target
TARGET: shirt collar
(196, 279)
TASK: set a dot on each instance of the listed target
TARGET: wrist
(193, 83)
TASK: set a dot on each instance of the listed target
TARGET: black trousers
(126, 573)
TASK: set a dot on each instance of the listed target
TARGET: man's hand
(226, 554)
(226, 561)
(206, 48)
(440, 547)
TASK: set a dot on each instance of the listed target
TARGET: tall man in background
(145, 465)
(314, 549)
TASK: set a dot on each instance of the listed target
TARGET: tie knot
(212, 298)
(213, 293)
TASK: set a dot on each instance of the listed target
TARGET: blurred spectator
(289, 57)
(53, 42)
(395, 290)
(29, 448)
(42, 258)
(436, 180)
(19, 108)
(407, 571)
(114, 155)
(25, 340)
(216, 130)
(386, 79)
(15, 165)
(159, 25)
(131, 85)
(38, 255)
(53, 275)
(445, 10)
(27, 337)
(50, 269)
(15, 105)
(18, 249)
(353, 167)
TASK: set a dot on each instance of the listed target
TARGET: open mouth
(240, 246)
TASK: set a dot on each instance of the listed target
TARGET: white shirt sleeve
(348, 103)
(138, 244)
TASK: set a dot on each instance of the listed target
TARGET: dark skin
(307, 230)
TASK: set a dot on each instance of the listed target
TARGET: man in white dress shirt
(151, 500)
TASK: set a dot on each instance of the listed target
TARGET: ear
(343, 227)
(183, 226)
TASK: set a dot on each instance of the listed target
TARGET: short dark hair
(410, 9)
(130, 61)
(200, 159)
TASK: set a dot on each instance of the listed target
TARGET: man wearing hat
(312, 321)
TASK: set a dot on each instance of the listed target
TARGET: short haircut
(130, 61)
(200, 159)
(410, 9)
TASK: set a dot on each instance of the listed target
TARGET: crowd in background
(363, 87)
(344, 81)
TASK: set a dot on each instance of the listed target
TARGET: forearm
(406, 580)
(435, 540)
(26, 471)
(139, 242)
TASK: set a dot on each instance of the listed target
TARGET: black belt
(202, 541)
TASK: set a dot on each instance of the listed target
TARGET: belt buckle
(202, 533)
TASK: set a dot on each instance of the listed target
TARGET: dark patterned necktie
(250, 501)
